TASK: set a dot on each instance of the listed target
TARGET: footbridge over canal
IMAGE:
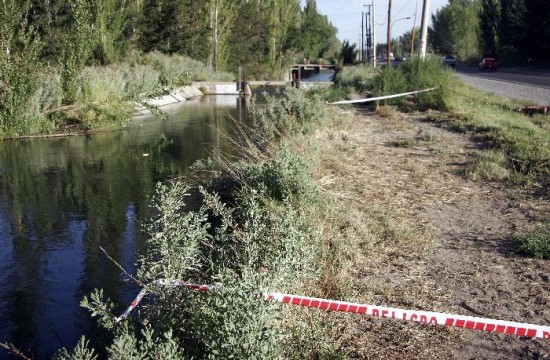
(296, 73)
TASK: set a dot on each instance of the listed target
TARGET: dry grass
(382, 234)
(376, 237)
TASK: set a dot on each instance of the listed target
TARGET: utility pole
(414, 27)
(389, 33)
(362, 37)
(373, 33)
(424, 33)
(369, 33)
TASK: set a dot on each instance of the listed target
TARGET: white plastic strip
(380, 97)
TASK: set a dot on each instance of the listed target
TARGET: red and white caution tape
(132, 305)
(380, 97)
(423, 317)
(164, 282)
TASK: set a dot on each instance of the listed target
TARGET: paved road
(522, 84)
(536, 77)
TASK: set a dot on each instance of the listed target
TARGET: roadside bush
(417, 74)
(388, 82)
(424, 74)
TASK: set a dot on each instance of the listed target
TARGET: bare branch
(122, 269)
(15, 351)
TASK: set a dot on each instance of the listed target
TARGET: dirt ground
(438, 241)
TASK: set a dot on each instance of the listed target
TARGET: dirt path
(432, 240)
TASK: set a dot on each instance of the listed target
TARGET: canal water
(63, 198)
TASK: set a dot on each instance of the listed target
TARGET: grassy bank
(102, 98)
(515, 146)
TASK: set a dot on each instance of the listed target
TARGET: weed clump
(536, 243)
(489, 165)
(416, 74)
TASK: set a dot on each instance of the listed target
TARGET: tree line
(261, 35)
(514, 31)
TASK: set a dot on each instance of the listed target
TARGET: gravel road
(530, 93)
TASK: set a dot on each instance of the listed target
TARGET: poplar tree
(221, 14)
(537, 28)
(78, 48)
(110, 22)
(455, 29)
(490, 17)
(19, 65)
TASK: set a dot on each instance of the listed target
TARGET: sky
(345, 15)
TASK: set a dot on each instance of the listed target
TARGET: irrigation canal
(62, 198)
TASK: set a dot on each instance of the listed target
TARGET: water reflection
(60, 199)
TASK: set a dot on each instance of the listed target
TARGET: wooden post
(239, 79)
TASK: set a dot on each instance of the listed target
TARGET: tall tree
(159, 25)
(537, 29)
(222, 14)
(192, 30)
(77, 49)
(348, 53)
(406, 39)
(490, 17)
(110, 22)
(19, 65)
(455, 29)
(249, 41)
(283, 15)
(315, 37)
(512, 32)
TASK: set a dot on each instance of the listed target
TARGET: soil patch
(431, 239)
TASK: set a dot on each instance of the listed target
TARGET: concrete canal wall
(185, 93)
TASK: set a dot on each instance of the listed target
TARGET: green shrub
(292, 112)
(536, 243)
(388, 82)
(417, 74)
(243, 250)
(423, 74)
(286, 176)
(176, 70)
(357, 77)
(140, 79)
(100, 84)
